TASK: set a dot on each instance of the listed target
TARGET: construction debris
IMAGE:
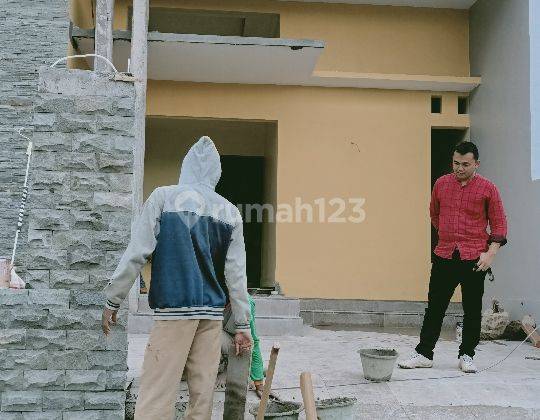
(494, 322)
(496, 306)
(529, 324)
(528, 320)
(5, 269)
(514, 332)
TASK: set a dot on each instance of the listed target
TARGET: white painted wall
(500, 109)
(534, 33)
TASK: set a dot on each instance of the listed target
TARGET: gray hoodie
(195, 238)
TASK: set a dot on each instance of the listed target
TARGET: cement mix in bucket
(341, 408)
(379, 353)
(282, 410)
(335, 402)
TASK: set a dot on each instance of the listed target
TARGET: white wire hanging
(86, 55)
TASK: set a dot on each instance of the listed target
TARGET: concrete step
(275, 326)
(277, 306)
(274, 316)
(372, 319)
(320, 312)
(264, 306)
(359, 305)
(266, 326)
(278, 315)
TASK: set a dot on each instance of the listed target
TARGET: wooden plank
(138, 66)
(139, 63)
(534, 336)
(306, 386)
(268, 383)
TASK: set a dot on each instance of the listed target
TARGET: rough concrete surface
(509, 390)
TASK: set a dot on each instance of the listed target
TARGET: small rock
(514, 332)
(493, 325)
(496, 306)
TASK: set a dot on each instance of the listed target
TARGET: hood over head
(201, 164)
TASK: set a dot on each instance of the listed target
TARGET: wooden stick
(527, 324)
(268, 382)
(306, 386)
(139, 65)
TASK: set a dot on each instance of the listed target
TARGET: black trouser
(445, 276)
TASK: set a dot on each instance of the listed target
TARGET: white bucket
(378, 364)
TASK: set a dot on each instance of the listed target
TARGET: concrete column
(139, 57)
(104, 34)
(53, 330)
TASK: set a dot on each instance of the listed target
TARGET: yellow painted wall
(168, 141)
(82, 15)
(449, 117)
(359, 38)
(385, 257)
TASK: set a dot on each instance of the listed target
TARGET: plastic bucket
(335, 408)
(378, 364)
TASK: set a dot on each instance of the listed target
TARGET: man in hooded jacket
(196, 241)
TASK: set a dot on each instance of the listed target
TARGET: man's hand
(485, 261)
(108, 318)
(242, 342)
(486, 258)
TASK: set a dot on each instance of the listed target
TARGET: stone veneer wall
(33, 33)
(55, 363)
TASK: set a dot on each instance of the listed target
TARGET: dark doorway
(242, 182)
(443, 142)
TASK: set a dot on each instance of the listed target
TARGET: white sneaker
(416, 361)
(466, 364)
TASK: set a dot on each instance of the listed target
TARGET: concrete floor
(509, 390)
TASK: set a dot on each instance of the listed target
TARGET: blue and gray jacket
(196, 242)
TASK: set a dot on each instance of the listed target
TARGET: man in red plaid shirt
(463, 204)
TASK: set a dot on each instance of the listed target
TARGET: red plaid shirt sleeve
(497, 218)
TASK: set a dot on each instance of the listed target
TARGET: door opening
(443, 142)
(242, 183)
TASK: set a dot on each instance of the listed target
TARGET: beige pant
(173, 345)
